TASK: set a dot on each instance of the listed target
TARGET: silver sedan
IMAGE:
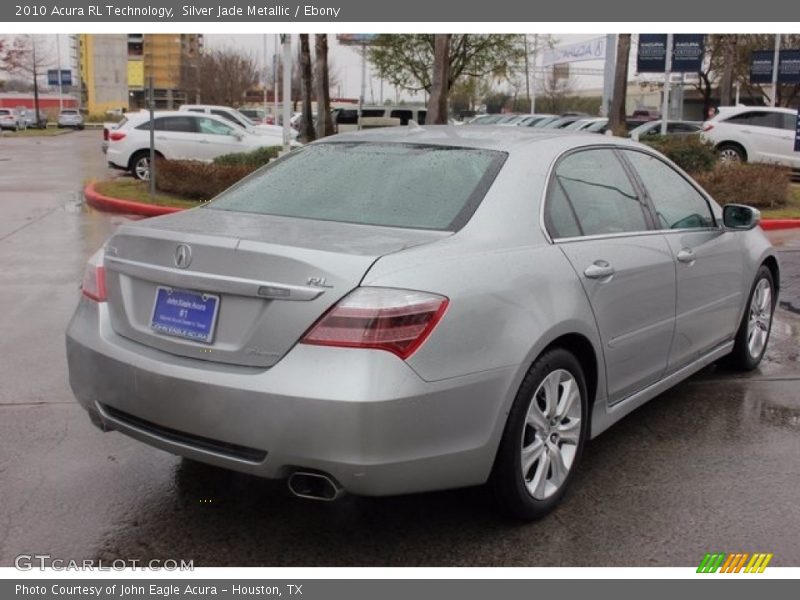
(413, 309)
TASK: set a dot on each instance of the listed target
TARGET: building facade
(103, 61)
(171, 60)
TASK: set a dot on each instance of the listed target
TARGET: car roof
(487, 137)
(730, 110)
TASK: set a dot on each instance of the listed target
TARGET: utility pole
(275, 81)
(667, 77)
(776, 59)
(363, 83)
(533, 78)
(265, 78)
(152, 163)
(286, 39)
(608, 74)
(527, 72)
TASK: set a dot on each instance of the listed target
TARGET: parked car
(584, 123)
(542, 123)
(236, 117)
(599, 126)
(346, 119)
(562, 122)
(179, 135)
(10, 118)
(532, 120)
(653, 128)
(31, 121)
(70, 117)
(755, 134)
(484, 119)
(383, 317)
(256, 115)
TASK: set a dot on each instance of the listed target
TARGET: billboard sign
(688, 50)
(788, 66)
(66, 77)
(594, 49)
(356, 39)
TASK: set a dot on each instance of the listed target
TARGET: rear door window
(597, 192)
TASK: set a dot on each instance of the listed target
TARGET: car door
(176, 137)
(216, 138)
(597, 218)
(763, 135)
(708, 259)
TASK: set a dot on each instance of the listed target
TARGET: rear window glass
(393, 185)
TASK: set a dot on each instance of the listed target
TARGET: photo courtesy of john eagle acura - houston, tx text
(420, 308)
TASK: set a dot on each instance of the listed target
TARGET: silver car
(71, 118)
(413, 309)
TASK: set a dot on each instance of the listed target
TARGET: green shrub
(197, 180)
(690, 152)
(759, 185)
(256, 158)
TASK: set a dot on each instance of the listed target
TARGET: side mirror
(740, 217)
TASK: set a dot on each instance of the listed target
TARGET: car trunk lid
(273, 277)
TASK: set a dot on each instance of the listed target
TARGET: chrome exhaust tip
(314, 486)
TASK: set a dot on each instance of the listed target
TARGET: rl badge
(734, 562)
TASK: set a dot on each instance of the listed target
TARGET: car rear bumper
(364, 417)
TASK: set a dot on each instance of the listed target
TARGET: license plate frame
(168, 319)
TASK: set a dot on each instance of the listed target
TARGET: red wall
(26, 100)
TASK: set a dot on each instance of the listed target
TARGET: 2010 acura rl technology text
(415, 309)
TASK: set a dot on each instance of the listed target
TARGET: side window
(601, 196)
(196, 110)
(226, 115)
(678, 204)
(182, 124)
(560, 218)
(421, 114)
(756, 118)
(210, 126)
(788, 121)
(347, 116)
(371, 113)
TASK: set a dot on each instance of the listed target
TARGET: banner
(688, 50)
(788, 66)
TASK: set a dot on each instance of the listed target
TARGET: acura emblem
(183, 256)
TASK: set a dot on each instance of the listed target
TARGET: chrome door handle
(686, 255)
(599, 269)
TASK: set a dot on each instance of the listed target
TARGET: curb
(773, 224)
(107, 204)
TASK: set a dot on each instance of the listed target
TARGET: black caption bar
(177, 11)
(730, 588)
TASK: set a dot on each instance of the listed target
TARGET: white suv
(178, 136)
(755, 134)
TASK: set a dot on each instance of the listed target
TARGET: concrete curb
(107, 204)
(773, 224)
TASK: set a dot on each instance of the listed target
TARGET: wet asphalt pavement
(712, 465)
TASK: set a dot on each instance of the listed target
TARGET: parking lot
(712, 465)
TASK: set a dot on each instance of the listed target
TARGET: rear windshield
(393, 185)
(69, 112)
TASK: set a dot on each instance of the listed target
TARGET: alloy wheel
(551, 434)
(760, 318)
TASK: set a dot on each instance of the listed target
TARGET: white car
(235, 116)
(755, 134)
(10, 118)
(178, 136)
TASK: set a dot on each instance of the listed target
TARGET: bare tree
(440, 84)
(324, 119)
(728, 66)
(555, 92)
(616, 117)
(224, 77)
(307, 123)
(27, 57)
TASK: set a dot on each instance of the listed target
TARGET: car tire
(731, 153)
(139, 165)
(548, 422)
(752, 336)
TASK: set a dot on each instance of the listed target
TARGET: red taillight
(708, 127)
(94, 279)
(398, 321)
(116, 136)
(105, 134)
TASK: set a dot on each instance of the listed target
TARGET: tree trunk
(616, 118)
(324, 120)
(36, 82)
(729, 63)
(307, 133)
(437, 104)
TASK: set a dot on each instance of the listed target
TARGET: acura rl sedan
(420, 308)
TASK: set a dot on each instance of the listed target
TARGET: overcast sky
(346, 62)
